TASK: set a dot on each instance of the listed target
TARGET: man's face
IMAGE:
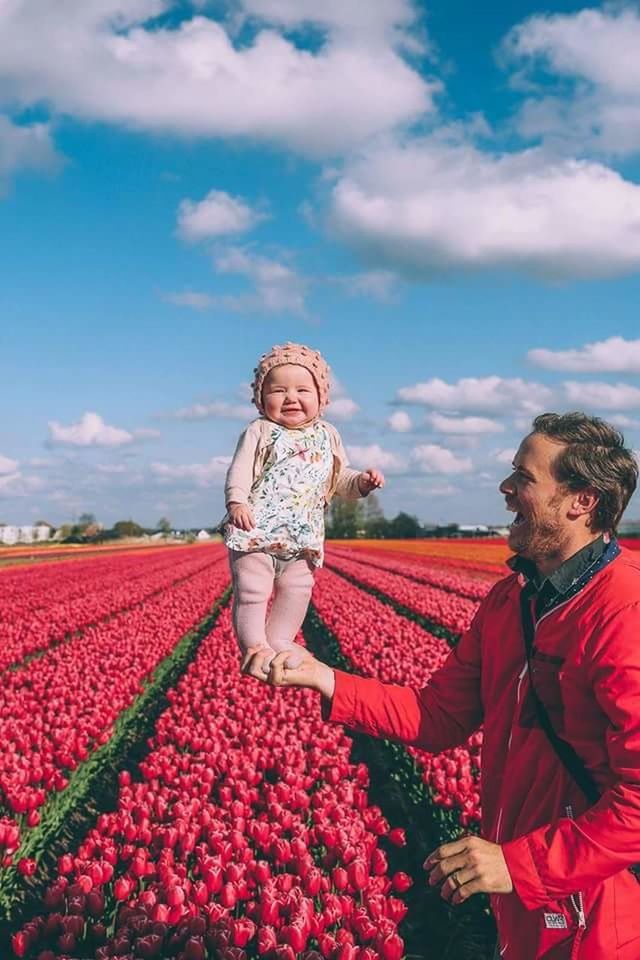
(541, 526)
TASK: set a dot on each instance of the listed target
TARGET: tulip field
(156, 803)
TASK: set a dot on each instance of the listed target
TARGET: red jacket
(573, 894)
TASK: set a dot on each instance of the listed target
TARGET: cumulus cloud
(376, 284)
(192, 299)
(277, 286)
(219, 214)
(425, 207)
(206, 474)
(89, 431)
(342, 406)
(465, 426)
(484, 394)
(188, 77)
(400, 422)
(614, 355)
(602, 396)
(375, 457)
(505, 456)
(432, 458)
(217, 409)
(623, 421)
(7, 466)
(596, 49)
(111, 469)
(25, 147)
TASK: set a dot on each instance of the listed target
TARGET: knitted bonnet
(296, 353)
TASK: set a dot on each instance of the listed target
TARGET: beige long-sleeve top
(252, 451)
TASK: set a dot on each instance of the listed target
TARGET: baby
(288, 465)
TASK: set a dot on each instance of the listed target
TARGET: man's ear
(584, 502)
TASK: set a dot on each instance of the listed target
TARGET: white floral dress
(288, 498)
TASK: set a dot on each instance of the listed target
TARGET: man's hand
(241, 516)
(310, 673)
(468, 866)
(370, 480)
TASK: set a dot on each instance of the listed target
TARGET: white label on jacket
(555, 921)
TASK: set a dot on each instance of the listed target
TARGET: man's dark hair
(594, 456)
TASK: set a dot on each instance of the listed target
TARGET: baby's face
(290, 395)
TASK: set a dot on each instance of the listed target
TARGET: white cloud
(426, 207)
(11, 484)
(400, 422)
(463, 425)
(25, 147)
(7, 465)
(377, 21)
(199, 474)
(376, 284)
(278, 288)
(505, 456)
(602, 396)
(486, 394)
(598, 51)
(146, 433)
(215, 216)
(623, 421)
(89, 431)
(218, 409)
(192, 299)
(441, 490)
(375, 457)
(341, 406)
(112, 469)
(615, 355)
(432, 458)
(189, 78)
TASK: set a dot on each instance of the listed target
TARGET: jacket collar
(571, 576)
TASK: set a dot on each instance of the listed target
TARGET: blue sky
(442, 198)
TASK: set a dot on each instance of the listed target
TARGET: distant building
(27, 533)
(203, 535)
(473, 530)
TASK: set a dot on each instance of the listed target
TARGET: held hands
(310, 673)
(370, 480)
(467, 866)
(241, 516)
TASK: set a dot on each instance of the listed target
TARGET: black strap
(568, 756)
(565, 751)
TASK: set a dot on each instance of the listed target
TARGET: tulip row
(44, 604)
(438, 607)
(486, 555)
(56, 710)
(424, 571)
(247, 832)
(377, 641)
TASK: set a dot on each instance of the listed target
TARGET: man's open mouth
(518, 520)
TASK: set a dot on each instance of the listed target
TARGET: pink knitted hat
(296, 353)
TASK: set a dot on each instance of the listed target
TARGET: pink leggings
(255, 576)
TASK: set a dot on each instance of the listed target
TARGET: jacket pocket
(626, 900)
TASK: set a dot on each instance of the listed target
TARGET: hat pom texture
(302, 356)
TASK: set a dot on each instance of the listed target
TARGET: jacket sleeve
(443, 714)
(239, 478)
(347, 480)
(557, 859)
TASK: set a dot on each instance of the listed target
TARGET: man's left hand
(468, 866)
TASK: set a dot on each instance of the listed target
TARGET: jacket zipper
(577, 903)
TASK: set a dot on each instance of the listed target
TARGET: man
(559, 833)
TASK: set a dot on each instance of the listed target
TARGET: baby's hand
(370, 480)
(241, 516)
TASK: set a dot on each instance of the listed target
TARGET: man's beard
(538, 538)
